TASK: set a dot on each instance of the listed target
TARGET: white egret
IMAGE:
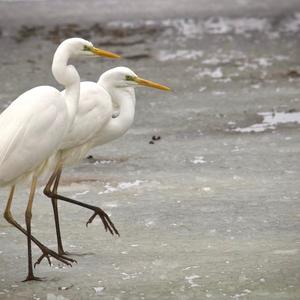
(32, 128)
(94, 126)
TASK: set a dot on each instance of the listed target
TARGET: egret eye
(86, 48)
(129, 78)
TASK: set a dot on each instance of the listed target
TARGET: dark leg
(108, 224)
(46, 251)
(56, 218)
(28, 216)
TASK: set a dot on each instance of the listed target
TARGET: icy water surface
(211, 209)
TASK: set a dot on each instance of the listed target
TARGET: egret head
(122, 77)
(81, 47)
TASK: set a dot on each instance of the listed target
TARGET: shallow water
(209, 210)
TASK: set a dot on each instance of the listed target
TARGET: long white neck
(124, 98)
(68, 76)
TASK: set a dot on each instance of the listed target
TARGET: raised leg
(46, 251)
(54, 179)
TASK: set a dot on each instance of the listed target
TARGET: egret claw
(107, 223)
(47, 253)
(41, 258)
(91, 219)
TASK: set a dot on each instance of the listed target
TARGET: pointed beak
(104, 53)
(150, 83)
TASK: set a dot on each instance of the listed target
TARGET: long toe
(107, 223)
(47, 253)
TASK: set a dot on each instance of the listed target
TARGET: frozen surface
(209, 211)
(271, 120)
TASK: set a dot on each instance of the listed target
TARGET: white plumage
(32, 129)
(94, 126)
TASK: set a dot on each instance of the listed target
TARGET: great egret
(94, 126)
(33, 127)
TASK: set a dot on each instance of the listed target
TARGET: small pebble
(155, 138)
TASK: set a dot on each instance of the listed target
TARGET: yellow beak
(150, 83)
(105, 53)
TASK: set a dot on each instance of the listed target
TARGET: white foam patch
(99, 290)
(198, 160)
(270, 121)
(264, 62)
(127, 276)
(81, 193)
(206, 189)
(121, 186)
(216, 73)
(280, 117)
(184, 27)
(237, 58)
(192, 28)
(292, 24)
(149, 223)
(238, 26)
(252, 128)
(104, 162)
(190, 280)
(218, 93)
(286, 252)
(166, 55)
(191, 267)
(241, 295)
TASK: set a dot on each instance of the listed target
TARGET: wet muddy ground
(209, 210)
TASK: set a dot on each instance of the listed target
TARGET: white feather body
(32, 128)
